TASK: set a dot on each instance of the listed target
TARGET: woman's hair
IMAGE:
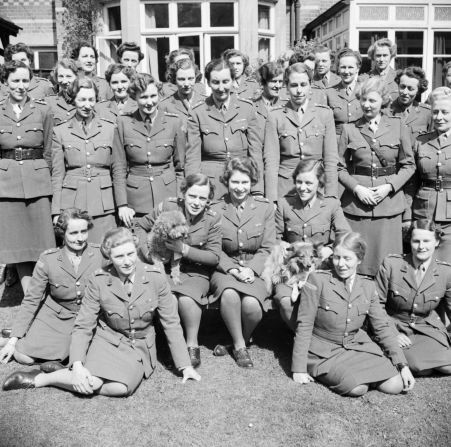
(351, 241)
(129, 46)
(310, 165)
(172, 56)
(80, 83)
(269, 71)
(428, 225)
(439, 93)
(384, 42)
(285, 57)
(299, 67)
(200, 180)
(76, 51)
(216, 65)
(114, 238)
(66, 63)
(245, 165)
(12, 67)
(119, 68)
(347, 52)
(139, 84)
(227, 54)
(19, 47)
(374, 84)
(181, 64)
(416, 73)
(63, 222)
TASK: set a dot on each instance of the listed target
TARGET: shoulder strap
(374, 145)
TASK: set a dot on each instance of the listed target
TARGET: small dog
(169, 226)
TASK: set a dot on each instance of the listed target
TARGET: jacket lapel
(408, 274)
(384, 127)
(430, 277)
(158, 125)
(141, 282)
(86, 261)
(339, 288)
(249, 211)
(228, 211)
(65, 264)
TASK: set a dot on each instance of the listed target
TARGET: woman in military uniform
(411, 288)
(305, 215)
(331, 346)
(248, 235)
(199, 252)
(221, 128)
(376, 161)
(151, 144)
(113, 340)
(85, 163)
(301, 130)
(42, 328)
(25, 187)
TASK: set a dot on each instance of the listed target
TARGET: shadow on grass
(11, 296)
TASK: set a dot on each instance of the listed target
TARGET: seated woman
(412, 288)
(113, 340)
(330, 344)
(199, 252)
(305, 215)
(248, 234)
(42, 328)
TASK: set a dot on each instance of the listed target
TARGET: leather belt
(438, 184)
(133, 334)
(334, 338)
(411, 318)
(22, 153)
(371, 171)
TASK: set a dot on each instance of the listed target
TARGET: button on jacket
(153, 160)
(61, 109)
(83, 167)
(26, 179)
(287, 141)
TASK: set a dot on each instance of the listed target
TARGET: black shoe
(11, 276)
(6, 333)
(51, 366)
(242, 358)
(194, 355)
(20, 380)
(221, 350)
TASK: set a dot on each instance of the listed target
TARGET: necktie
(348, 284)
(419, 274)
(300, 114)
(75, 261)
(128, 286)
(325, 82)
(84, 127)
(349, 90)
(17, 109)
(373, 126)
(148, 124)
(442, 139)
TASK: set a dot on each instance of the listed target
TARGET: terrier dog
(169, 226)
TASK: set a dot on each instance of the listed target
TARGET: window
(442, 55)
(324, 29)
(266, 33)
(189, 15)
(107, 48)
(263, 17)
(156, 15)
(157, 48)
(410, 49)
(220, 43)
(264, 45)
(44, 61)
(366, 39)
(221, 14)
(114, 18)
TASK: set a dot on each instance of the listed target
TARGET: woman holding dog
(305, 215)
(199, 252)
(248, 235)
(331, 346)
(113, 341)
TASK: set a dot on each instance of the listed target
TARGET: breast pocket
(114, 314)
(73, 154)
(209, 130)
(69, 193)
(255, 237)
(239, 131)
(198, 240)
(164, 149)
(34, 132)
(103, 152)
(328, 312)
(146, 310)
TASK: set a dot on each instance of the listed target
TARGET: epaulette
(424, 106)
(107, 120)
(261, 199)
(426, 136)
(175, 115)
(367, 278)
(438, 261)
(151, 268)
(92, 244)
(197, 105)
(174, 199)
(50, 250)
(323, 271)
(40, 101)
(100, 272)
(211, 212)
(41, 79)
(279, 107)
(246, 100)
(322, 105)
(396, 255)
(60, 122)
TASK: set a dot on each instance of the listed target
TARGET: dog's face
(300, 257)
(171, 225)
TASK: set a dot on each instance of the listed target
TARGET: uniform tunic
(39, 88)
(110, 110)
(105, 92)
(151, 162)
(47, 313)
(263, 111)
(247, 89)
(168, 89)
(113, 334)
(287, 141)
(204, 240)
(412, 308)
(26, 228)
(389, 79)
(330, 344)
(61, 109)
(247, 240)
(214, 138)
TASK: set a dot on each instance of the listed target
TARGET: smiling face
(441, 114)
(298, 86)
(345, 262)
(408, 90)
(65, 78)
(196, 199)
(371, 104)
(148, 100)
(382, 58)
(87, 59)
(322, 63)
(423, 244)
(185, 80)
(119, 84)
(348, 69)
(130, 59)
(85, 102)
(18, 83)
(271, 90)
(239, 186)
(220, 83)
(76, 235)
(306, 185)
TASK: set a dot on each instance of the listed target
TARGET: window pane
(442, 43)
(221, 14)
(221, 43)
(157, 16)
(263, 17)
(157, 49)
(409, 42)
(404, 62)
(114, 18)
(438, 77)
(263, 49)
(366, 38)
(192, 42)
(47, 59)
(189, 15)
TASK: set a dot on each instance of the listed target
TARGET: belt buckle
(374, 172)
(18, 154)
(438, 184)
(413, 319)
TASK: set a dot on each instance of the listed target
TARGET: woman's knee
(358, 391)
(444, 369)
(250, 306)
(230, 296)
(114, 389)
(23, 359)
(394, 385)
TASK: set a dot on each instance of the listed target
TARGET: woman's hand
(303, 378)
(82, 380)
(190, 373)
(381, 191)
(365, 195)
(126, 215)
(325, 252)
(8, 350)
(176, 245)
(407, 378)
(246, 274)
(55, 219)
(404, 341)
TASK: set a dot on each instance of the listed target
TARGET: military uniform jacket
(389, 79)
(84, 167)
(61, 109)
(329, 317)
(320, 82)
(120, 319)
(204, 237)
(26, 179)
(246, 240)
(413, 307)
(110, 111)
(394, 143)
(40, 88)
(105, 92)
(318, 224)
(287, 141)
(56, 282)
(248, 88)
(263, 111)
(153, 160)
(168, 89)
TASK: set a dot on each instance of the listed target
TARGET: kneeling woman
(113, 340)
(42, 328)
(330, 344)
(412, 288)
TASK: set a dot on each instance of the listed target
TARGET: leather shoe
(242, 358)
(51, 366)
(221, 350)
(6, 333)
(194, 355)
(20, 380)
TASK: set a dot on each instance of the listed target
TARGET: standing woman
(25, 187)
(411, 288)
(151, 146)
(130, 55)
(376, 161)
(300, 130)
(85, 164)
(221, 128)
(199, 253)
(248, 235)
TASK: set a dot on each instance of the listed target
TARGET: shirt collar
(221, 106)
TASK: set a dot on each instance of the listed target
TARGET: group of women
(347, 176)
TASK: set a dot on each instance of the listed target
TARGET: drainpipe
(297, 20)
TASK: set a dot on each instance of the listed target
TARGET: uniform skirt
(26, 229)
(383, 236)
(443, 251)
(194, 286)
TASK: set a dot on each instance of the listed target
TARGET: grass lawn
(229, 407)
